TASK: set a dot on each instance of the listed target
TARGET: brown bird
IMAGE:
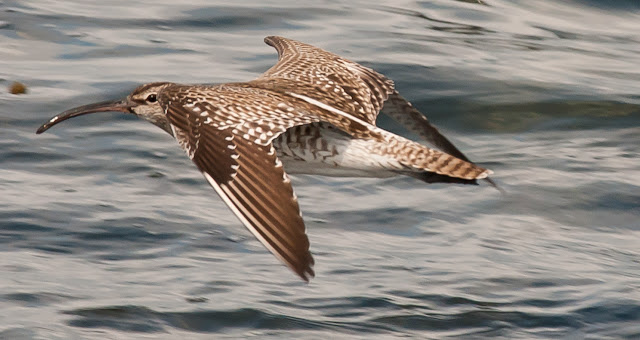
(313, 111)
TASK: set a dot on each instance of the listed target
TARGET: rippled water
(107, 231)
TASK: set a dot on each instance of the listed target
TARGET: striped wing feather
(354, 89)
(251, 181)
(341, 83)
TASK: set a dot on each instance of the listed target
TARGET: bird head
(143, 102)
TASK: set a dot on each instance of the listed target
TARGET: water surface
(107, 231)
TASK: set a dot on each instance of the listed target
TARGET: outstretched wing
(230, 142)
(349, 87)
(335, 81)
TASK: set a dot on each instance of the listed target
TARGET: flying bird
(313, 112)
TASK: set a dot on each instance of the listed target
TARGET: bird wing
(227, 132)
(348, 87)
(333, 80)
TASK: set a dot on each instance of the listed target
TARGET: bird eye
(152, 98)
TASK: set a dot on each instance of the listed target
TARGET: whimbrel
(312, 112)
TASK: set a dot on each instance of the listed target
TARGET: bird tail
(419, 158)
(401, 110)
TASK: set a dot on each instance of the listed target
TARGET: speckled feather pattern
(340, 83)
(312, 112)
(315, 108)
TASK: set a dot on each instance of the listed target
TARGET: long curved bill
(118, 106)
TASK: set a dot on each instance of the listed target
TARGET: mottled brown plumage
(313, 111)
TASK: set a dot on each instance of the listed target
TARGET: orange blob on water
(17, 88)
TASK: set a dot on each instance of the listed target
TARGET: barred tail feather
(399, 109)
(420, 157)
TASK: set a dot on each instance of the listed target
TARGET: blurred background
(108, 231)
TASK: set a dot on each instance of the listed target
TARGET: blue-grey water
(107, 231)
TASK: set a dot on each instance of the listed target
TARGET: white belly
(322, 149)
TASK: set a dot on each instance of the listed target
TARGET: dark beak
(118, 106)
